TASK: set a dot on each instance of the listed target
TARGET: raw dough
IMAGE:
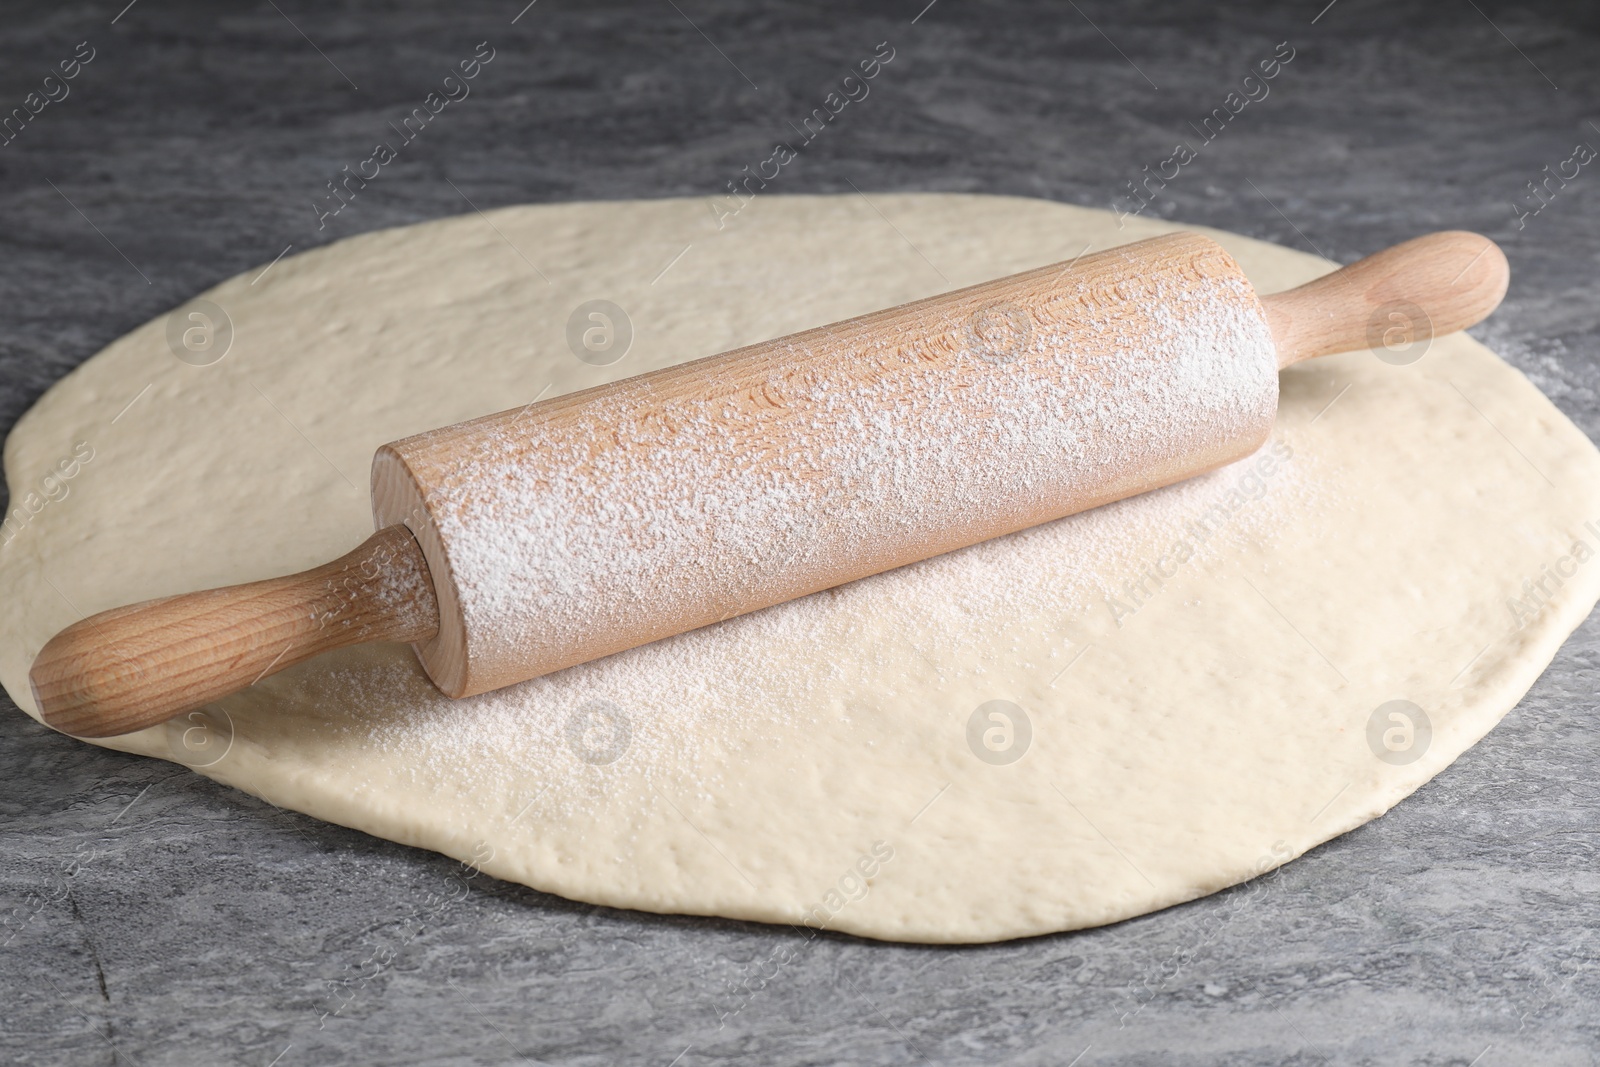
(1067, 727)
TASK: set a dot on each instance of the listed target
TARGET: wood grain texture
(136, 666)
(1431, 285)
(989, 409)
(133, 667)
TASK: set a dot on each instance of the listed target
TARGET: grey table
(158, 918)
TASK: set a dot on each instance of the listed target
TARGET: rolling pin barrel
(604, 519)
(524, 542)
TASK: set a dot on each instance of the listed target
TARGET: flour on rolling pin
(571, 530)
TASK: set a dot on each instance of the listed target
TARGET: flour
(655, 509)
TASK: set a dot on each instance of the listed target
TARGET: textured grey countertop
(154, 917)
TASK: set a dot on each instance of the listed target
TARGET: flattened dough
(1185, 710)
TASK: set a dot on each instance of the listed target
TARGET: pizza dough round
(1066, 727)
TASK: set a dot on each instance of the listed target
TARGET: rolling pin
(517, 544)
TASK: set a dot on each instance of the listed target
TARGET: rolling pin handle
(1431, 285)
(132, 667)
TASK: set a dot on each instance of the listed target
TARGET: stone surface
(153, 917)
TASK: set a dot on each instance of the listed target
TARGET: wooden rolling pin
(524, 542)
